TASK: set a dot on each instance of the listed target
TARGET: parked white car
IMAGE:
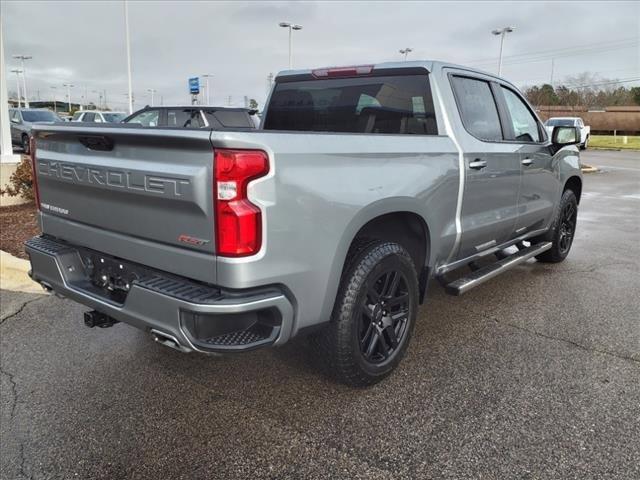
(98, 116)
(585, 130)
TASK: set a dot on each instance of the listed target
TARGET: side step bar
(477, 277)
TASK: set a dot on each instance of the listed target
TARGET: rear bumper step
(481, 275)
(180, 313)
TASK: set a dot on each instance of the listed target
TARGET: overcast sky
(240, 43)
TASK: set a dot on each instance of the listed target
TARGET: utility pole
(405, 52)
(128, 42)
(502, 32)
(206, 77)
(69, 86)
(17, 72)
(22, 58)
(291, 27)
(552, 68)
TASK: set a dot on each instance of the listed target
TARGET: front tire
(25, 144)
(562, 230)
(585, 145)
(373, 316)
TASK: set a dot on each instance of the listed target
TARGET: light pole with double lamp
(22, 58)
(291, 27)
(502, 32)
(405, 52)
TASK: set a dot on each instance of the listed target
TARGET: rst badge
(192, 240)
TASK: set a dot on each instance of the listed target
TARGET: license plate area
(107, 277)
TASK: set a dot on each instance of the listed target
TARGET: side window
(148, 118)
(76, 117)
(477, 108)
(525, 125)
(14, 116)
(89, 117)
(185, 118)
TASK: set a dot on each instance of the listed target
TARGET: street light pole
(22, 58)
(68, 85)
(126, 26)
(405, 52)
(291, 27)
(206, 77)
(17, 72)
(151, 91)
(55, 109)
(502, 32)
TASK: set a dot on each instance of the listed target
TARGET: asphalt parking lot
(535, 374)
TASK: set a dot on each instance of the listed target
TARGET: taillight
(238, 221)
(34, 175)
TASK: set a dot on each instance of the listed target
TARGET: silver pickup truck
(361, 184)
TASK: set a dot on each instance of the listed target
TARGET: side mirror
(563, 136)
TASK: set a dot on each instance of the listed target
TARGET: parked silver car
(23, 119)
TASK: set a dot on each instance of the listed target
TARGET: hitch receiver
(97, 319)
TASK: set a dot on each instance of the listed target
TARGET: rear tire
(373, 316)
(562, 230)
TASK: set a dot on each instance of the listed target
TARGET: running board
(477, 277)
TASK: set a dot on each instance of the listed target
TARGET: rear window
(40, 116)
(399, 104)
(560, 122)
(229, 119)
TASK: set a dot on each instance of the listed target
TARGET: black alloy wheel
(384, 317)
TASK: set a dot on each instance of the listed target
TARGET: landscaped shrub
(21, 181)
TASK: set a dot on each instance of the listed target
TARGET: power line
(566, 51)
(600, 84)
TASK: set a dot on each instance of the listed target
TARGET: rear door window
(89, 117)
(525, 125)
(477, 108)
(393, 104)
(184, 118)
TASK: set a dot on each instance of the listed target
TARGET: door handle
(526, 162)
(478, 164)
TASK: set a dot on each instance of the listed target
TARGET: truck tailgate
(106, 187)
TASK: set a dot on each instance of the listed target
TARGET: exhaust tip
(168, 341)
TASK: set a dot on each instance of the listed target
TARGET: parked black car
(195, 116)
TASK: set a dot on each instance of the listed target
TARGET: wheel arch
(574, 183)
(375, 220)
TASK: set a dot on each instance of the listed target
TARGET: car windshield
(40, 116)
(113, 117)
(560, 122)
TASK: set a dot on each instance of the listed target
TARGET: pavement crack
(569, 342)
(20, 309)
(21, 471)
(14, 391)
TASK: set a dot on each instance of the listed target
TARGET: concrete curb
(589, 169)
(13, 275)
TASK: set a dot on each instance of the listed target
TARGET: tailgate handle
(100, 143)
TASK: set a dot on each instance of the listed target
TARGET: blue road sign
(194, 85)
